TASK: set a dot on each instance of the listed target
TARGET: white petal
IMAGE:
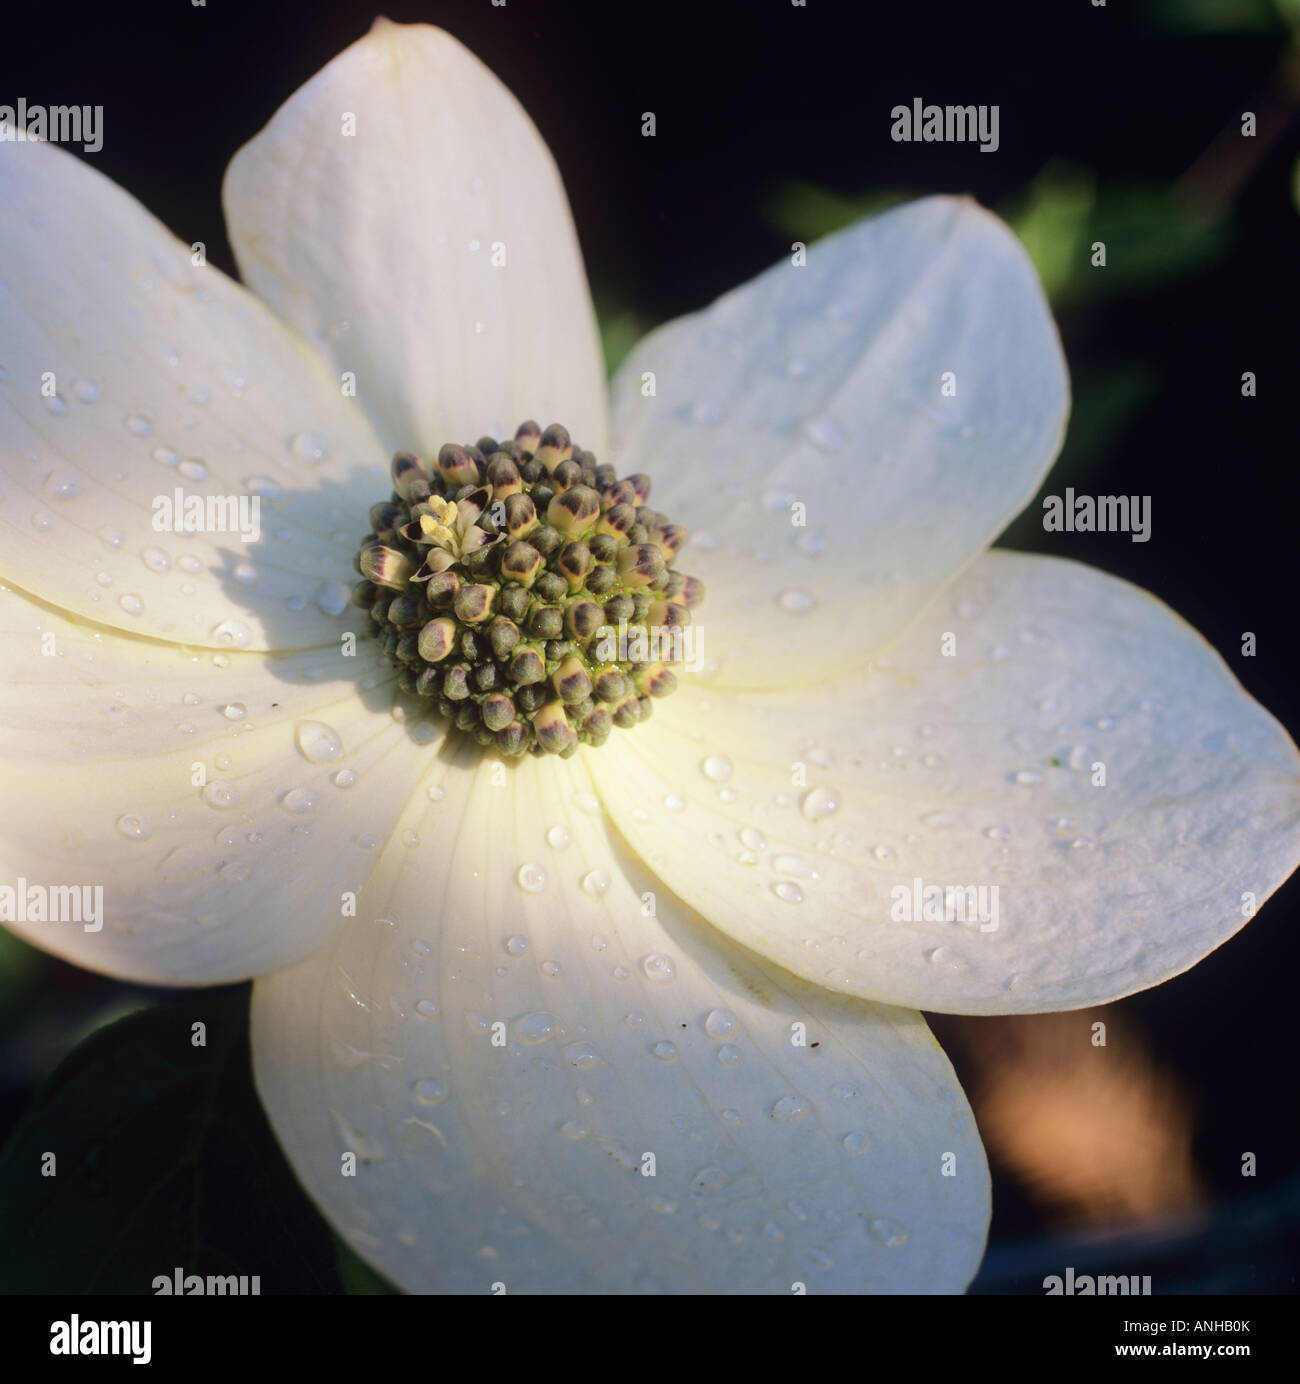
(431, 252)
(520, 1164)
(100, 739)
(165, 376)
(799, 431)
(789, 820)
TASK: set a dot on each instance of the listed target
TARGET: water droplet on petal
(538, 1027)
(233, 633)
(132, 604)
(717, 767)
(234, 711)
(63, 485)
(345, 778)
(331, 598)
(87, 391)
(310, 447)
(674, 803)
(659, 967)
(430, 1091)
(820, 802)
(558, 838)
(596, 883)
(787, 891)
(791, 1108)
(134, 827)
(139, 424)
(665, 1052)
(582, 1055)
(720, 1023)
(300, 801)
(796, 602)
(531, 878)
(220, 794)
(857, 1143)
(318, 742)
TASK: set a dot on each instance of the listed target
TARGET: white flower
(685, 936)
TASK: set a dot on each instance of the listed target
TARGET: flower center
(525, 591)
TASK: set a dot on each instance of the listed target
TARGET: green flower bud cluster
(498, 578)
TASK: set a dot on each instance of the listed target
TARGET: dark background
(1118, 122)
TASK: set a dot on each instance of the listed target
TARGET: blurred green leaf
(621, 327)
(1295, 185)
(807, 213)
(359, 1279)
(164, 1161)
(1151, 238)
(1215, 16)
(1052, 222)
(20, 964)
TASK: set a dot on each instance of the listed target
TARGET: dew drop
(193, 469)
(824, 433)
(221, 794)
(516, 945)
(63, 485)
(87, 391)
(234, 711)
(793, 865)
(427, 1009)
(54, 404)
(317, 742)
(531, 878)
(582, 1056)
(138, 424)
(857, 1143)
(538, 1027)
(430, 1091)
(791, 1108)
(134, 827)
(720, 1023)
(310, 447)
(787, 891)
(659, 967)
(820, 802)
(673, 803)
(300, 801)
(558, 838)
(233, 634)
(888, 1232)
(331, 598)
(796, 602)
(345, 778)
(111, 537)
(436, 793)
(665, 1051)
(132, 604)
(729, 1056)
(717, 768)
(596, 883)
(752, 839)
(1028, 777)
